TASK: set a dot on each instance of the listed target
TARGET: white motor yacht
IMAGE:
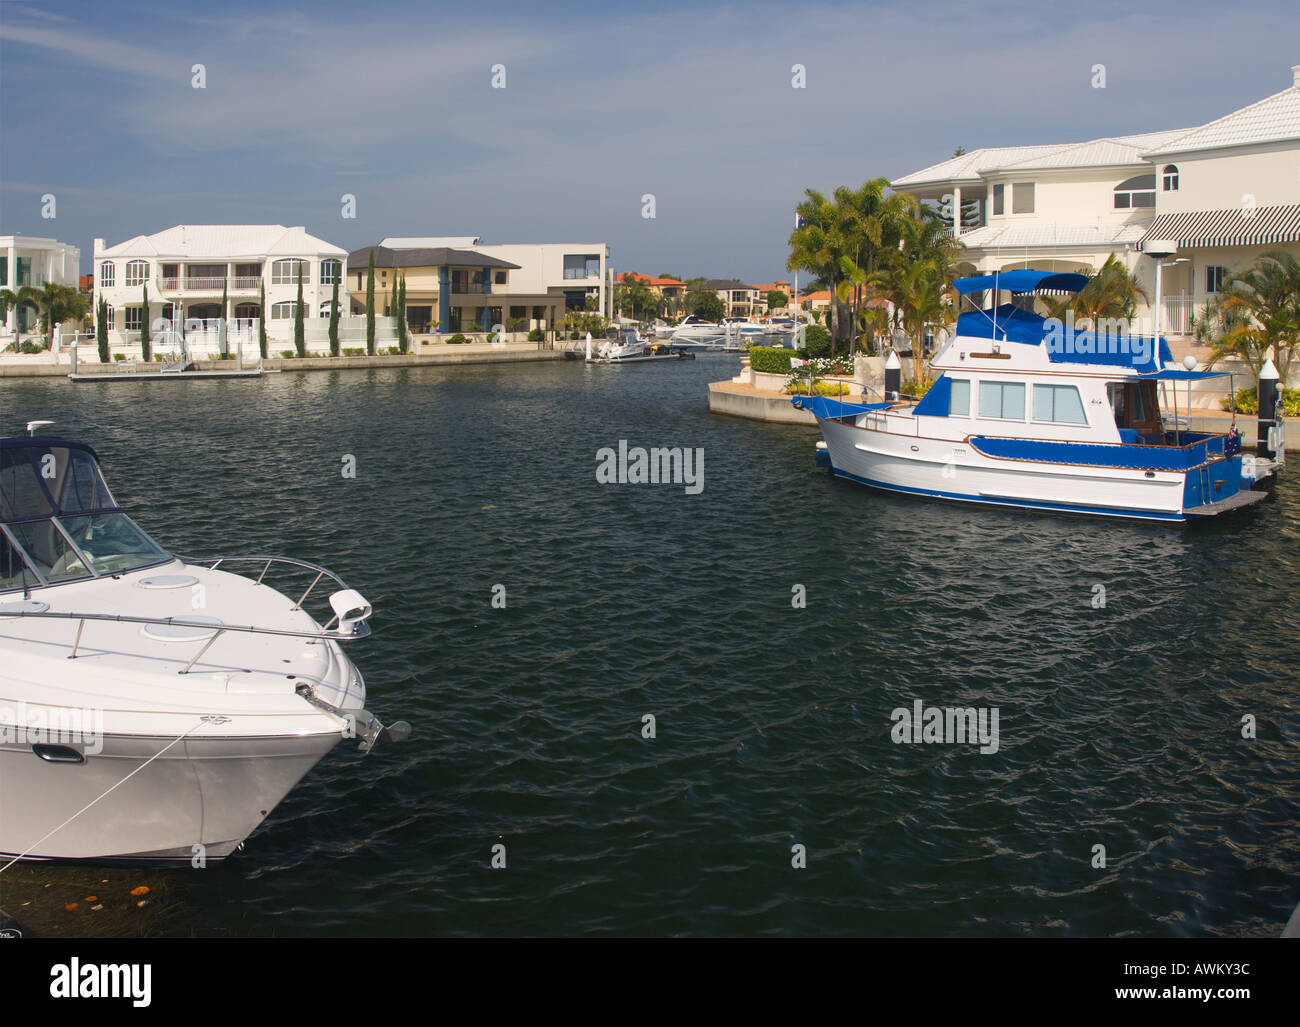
(153, 708)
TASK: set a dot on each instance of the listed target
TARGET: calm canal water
(1119, 726)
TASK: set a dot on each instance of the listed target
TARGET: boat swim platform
(1236, 501)
(140, 376)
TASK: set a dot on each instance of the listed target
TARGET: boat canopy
(1022, 280)
(1118, 349)
(1176, 374)
(50, 477)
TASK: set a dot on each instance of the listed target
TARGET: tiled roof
(428, 242)
(1101, 153)
(1274, 118)
(969, 166)
(224, 242)
(625, 276)
(1021, 236)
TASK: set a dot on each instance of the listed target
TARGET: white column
(956, 212)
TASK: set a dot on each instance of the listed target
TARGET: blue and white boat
(1024, 414)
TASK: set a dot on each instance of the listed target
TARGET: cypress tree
(101, 330)
(370, 304)
(145, 349)
(392, 308)
(225, 318)
(334, 322)
(261, 320)
(299, 332)
(402, 342)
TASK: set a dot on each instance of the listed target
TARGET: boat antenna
(33, 425)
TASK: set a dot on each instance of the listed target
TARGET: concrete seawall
(47, 368)
(739, 400)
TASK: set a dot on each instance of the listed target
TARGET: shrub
(1247, 401)
(817, 341)
(916, 390)
(287, 353)
(457, 339)
(354, 351)
(535, 335)
(820, 388)
(30, 347)
(770, 360)
(119, 356)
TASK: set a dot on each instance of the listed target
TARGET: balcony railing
(580, 272)
(207, 284)
(461, 286)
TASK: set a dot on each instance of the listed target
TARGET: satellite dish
(1189, 362)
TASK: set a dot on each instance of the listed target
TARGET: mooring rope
(32, 847)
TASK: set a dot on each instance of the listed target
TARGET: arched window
(137, 272)
(283, 311)
(285, 272)
(331, 271)
(106, 274)
(247, 311)
(1138, 191)
(325, 308)
(1170, 179)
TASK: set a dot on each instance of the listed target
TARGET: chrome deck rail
(213, 562)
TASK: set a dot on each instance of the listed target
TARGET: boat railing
(267, 562)
(356, 631)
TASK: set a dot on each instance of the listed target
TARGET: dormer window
(1138, 191)
(1022, 198)
(1170, 178)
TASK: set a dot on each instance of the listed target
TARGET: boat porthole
(916, 449)
(57, 753)
(1151, 474)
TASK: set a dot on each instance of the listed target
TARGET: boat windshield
(58, 519)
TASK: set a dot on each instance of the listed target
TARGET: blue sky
(693, 103)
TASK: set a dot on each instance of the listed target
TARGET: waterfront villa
(458, 284)
(1225, 192)
(667, 289)
(29, 260)
(187, 267)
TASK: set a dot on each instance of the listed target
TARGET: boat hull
(196, 803)
(957, 472)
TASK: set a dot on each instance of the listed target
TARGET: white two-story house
(1224, 192)
(186, 268)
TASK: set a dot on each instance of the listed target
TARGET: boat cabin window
(14, 572)
(959, 398)
(1059, 404)
(49, 550)
(1002, 400)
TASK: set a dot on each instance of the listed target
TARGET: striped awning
(1240, 226)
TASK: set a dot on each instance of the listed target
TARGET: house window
(1214, 278)
(331, 271)
(1138, 191)
(283, 311)
(1058, 403)
(137, 272)
(959, 398)
(499, 278)
(1002, 400)
(247, 312)
(108, 317)
(285, 272)
(1022, 198)
(106, 275)
(999, 192)
(1170, 178)
(133, 318)
(516, 312)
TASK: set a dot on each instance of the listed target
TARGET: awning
(1239, 226)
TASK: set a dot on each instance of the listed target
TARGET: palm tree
(1112, 292)
(1261, 308)
(817, 245)
(869, 226)
(53, 303)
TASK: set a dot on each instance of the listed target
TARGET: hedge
(770, 360)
